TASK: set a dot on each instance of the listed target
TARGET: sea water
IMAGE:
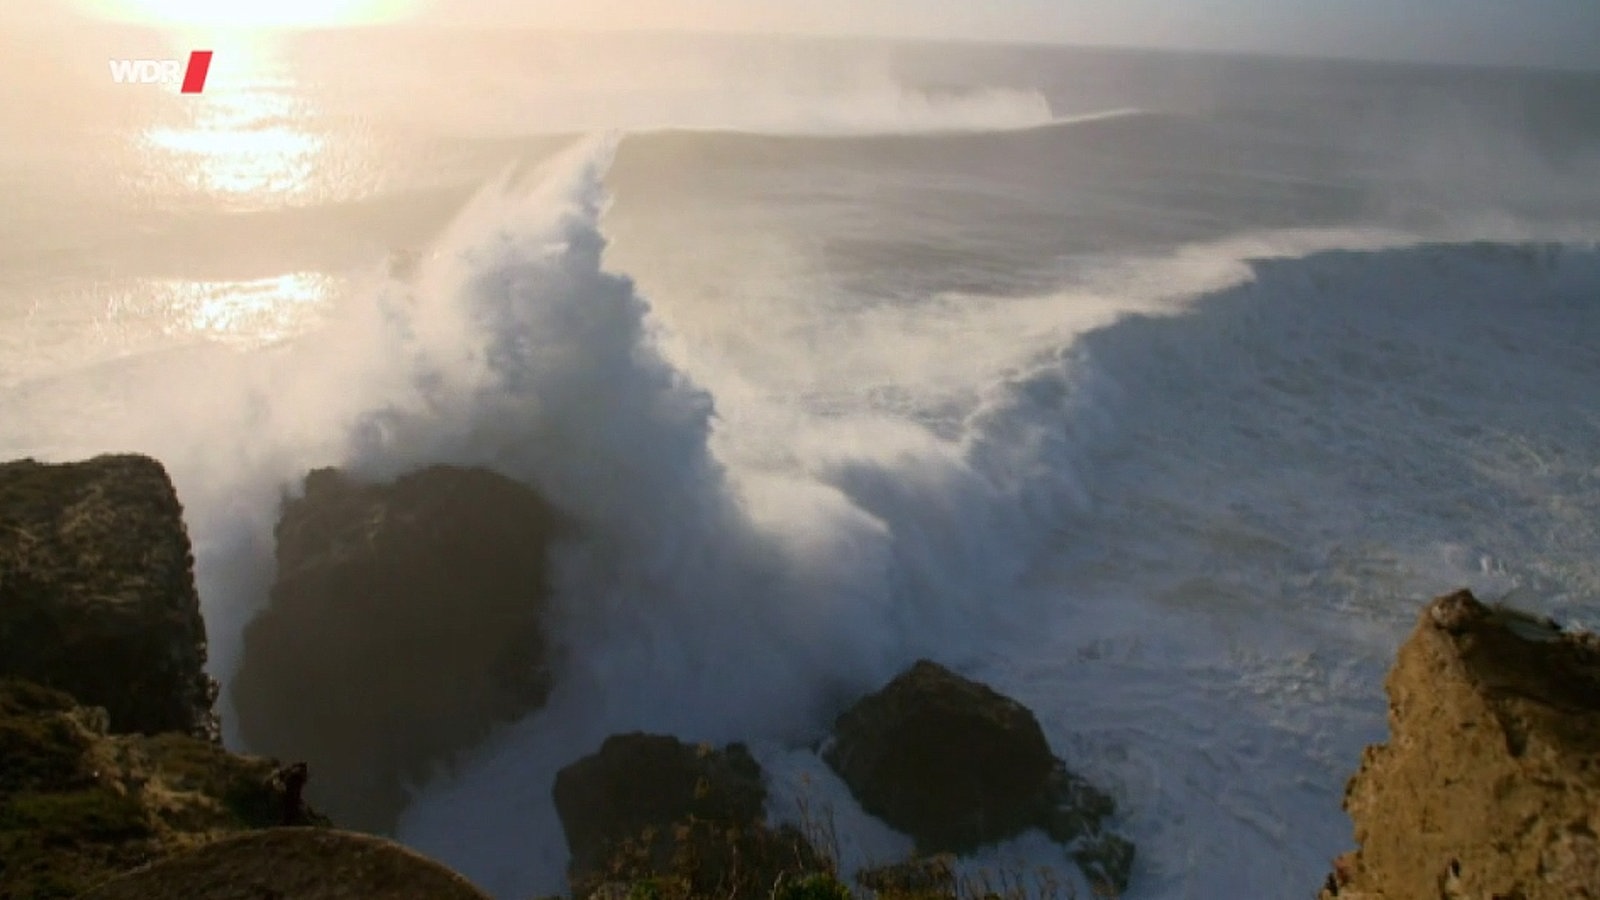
(1158, 391)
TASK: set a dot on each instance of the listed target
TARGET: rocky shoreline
(114, 785)
(1489, 785)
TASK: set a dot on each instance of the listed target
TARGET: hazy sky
(1558, 32)
(1532, 32)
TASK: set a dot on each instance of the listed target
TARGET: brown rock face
(1489, 786)
(404, 624)
(956, 765)
(688, 819)
(97, 595)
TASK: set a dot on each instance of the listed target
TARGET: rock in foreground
(404, 624)
(79, 805)
(1489, 786)
(689, 818)
(956, 766)
(294, 864)
(97, 595)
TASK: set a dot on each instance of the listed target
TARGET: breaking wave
(1167, 439)
(865, 107)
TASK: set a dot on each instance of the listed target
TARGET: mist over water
(1157, 391)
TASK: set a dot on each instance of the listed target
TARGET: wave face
(865, 111)
(849, 111)
(1287, 457)
(708, 602)
(1298, 461)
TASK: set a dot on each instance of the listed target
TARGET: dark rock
(653, 807)
(956, 766)
(292, 783)
(405, 623)
(1106, 859)
(639, 782)
(1490, 782)
(97, 594)
(944, 759)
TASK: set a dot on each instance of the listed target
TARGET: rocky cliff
(1489, 786)
(405, 622)
(111, 779)
(97, 594)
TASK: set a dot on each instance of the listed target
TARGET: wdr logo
(164, 71)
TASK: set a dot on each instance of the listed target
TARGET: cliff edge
(111, 777)
(97, 593)
(405, 624)
(1489, 785)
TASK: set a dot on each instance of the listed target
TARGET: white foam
(1188, 537)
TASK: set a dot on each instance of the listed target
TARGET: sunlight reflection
(252, 142)
(254, 313)
(246, 141)
(260, 311)
(278, 161)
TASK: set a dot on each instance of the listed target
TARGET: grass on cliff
(61, 830)
(79, 806)
(699, 860)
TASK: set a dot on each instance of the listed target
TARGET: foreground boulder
(688, 818)
(79, 805)
(97, 594)
(294, 864)
(1489, 786)
(404, 624)
(956, 766)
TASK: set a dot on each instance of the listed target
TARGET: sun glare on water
(252, 13)
(255, 139)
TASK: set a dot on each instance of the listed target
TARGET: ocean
(1157, 390)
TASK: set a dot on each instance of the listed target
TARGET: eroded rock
(956, 766)
(405, 623)
(1489, 785)
(97, 594)
(650, 807)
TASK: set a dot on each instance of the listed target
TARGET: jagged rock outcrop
(294, 864)
(79, 805)
(405, 622)
(120, 788)
(652, 807)
(97, 593)
(956, 765)
(1489, 786)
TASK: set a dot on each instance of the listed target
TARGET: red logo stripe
(194, 78)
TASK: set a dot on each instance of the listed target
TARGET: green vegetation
(817, 886)
(38, 743)
(698, 860)
(78, 806)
